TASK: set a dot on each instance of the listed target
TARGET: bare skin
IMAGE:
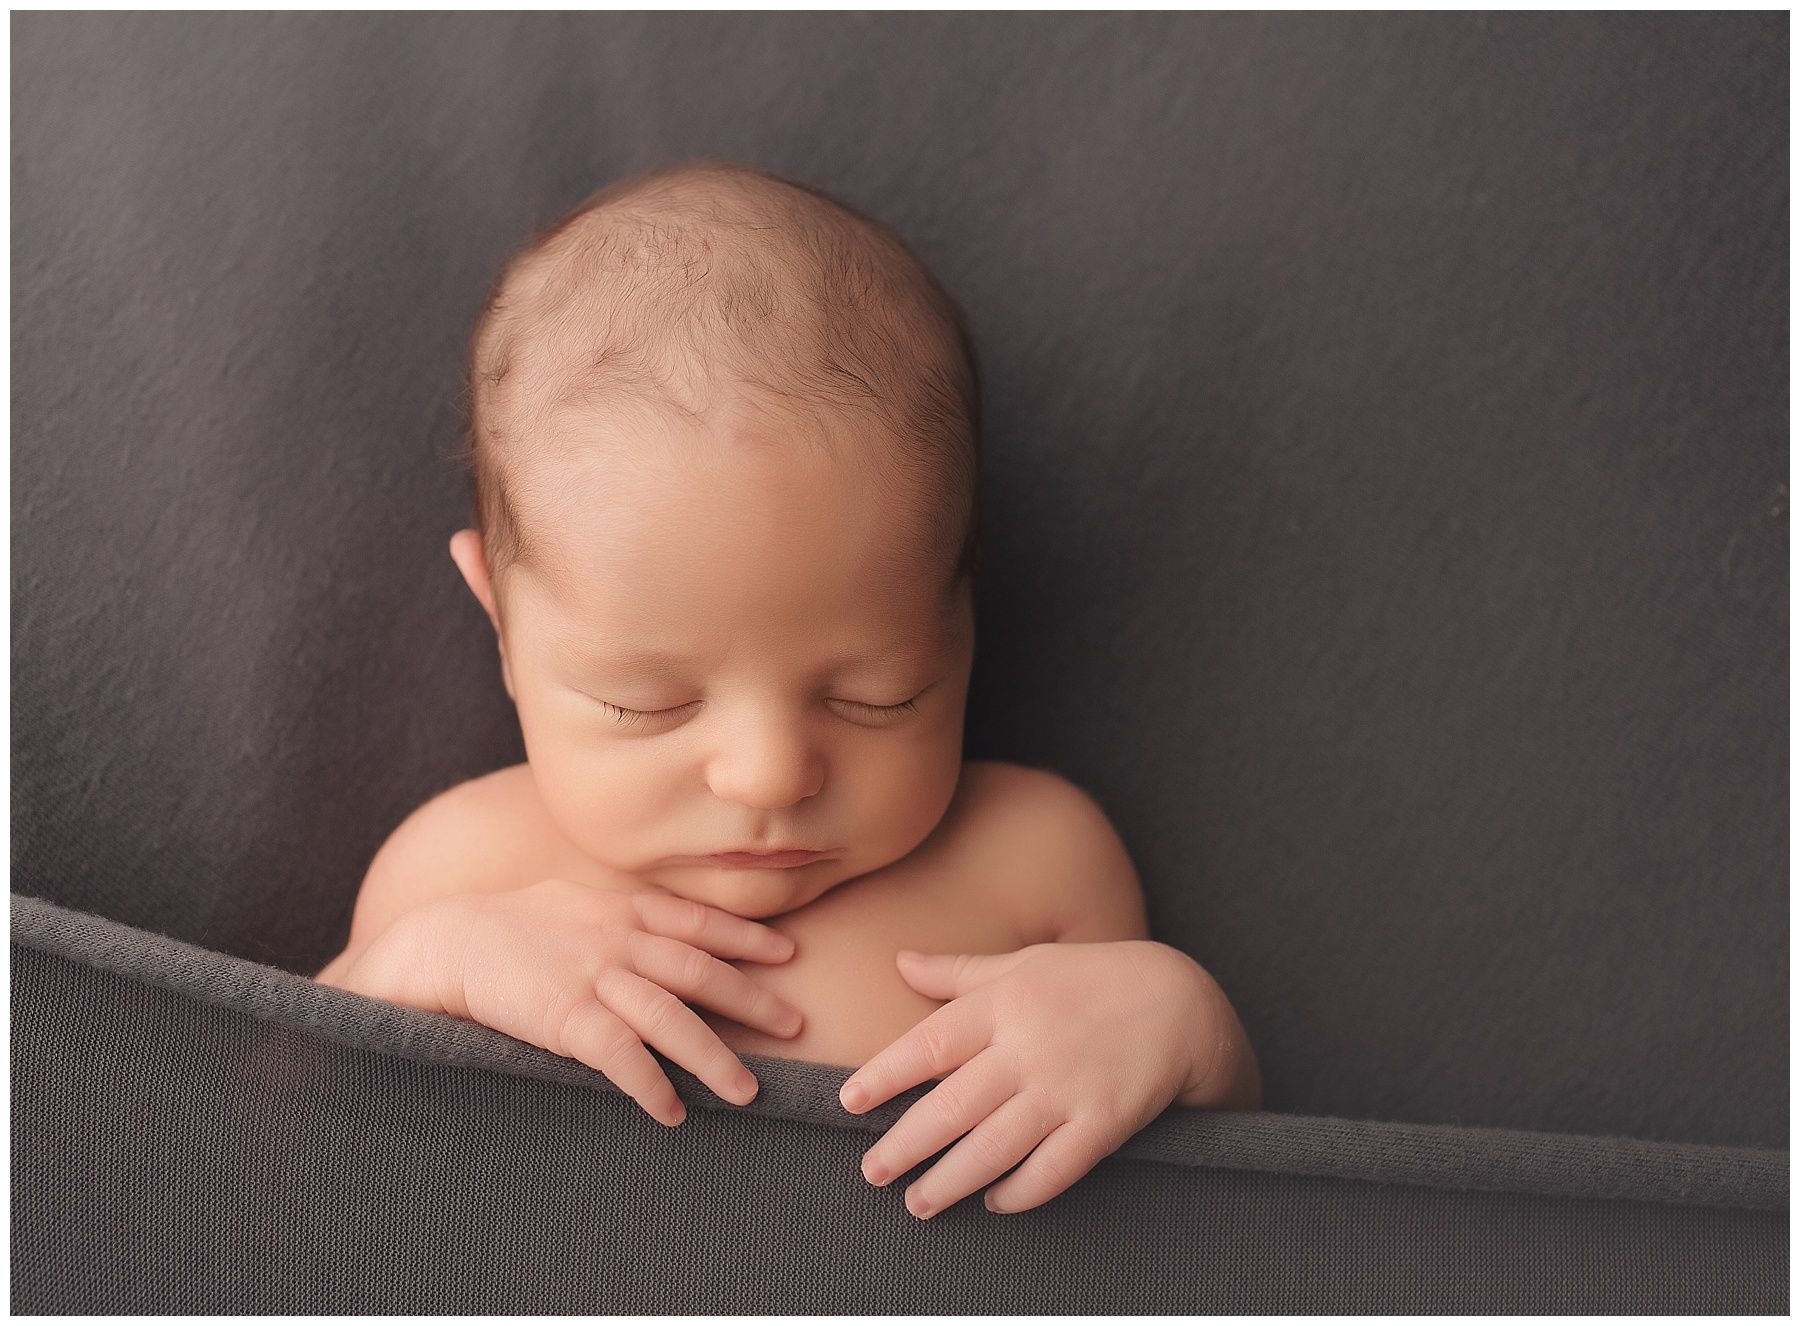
(728, 640)
(951, 893)
(731, 634)
(1021, 889)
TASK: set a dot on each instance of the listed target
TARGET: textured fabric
(1384, 497)
(1476, 1158)
(1384, 481)
(290, 1167)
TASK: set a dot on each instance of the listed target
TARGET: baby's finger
(1061, 1158)
(1001, 1141)
(712, 928)
(594, 1035)
(936, 1047)
(950, 1109)
(702, 979)
(675, 1029)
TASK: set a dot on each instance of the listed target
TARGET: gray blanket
(1384, 492)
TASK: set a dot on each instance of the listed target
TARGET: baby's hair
(664, 285)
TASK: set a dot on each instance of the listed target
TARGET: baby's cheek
(916, 798)
(590, 807)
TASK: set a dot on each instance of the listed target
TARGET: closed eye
(632, 717)
(635, 717)
(904, 707)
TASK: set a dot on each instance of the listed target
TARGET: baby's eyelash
(633, 717)
(904, 707)
(630, 717)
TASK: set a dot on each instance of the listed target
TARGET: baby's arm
(1097, 897)
(1227, 1074)
(1051, 1057)
(591, 973)
(443, 849)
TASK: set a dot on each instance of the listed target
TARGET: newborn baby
(723, 440)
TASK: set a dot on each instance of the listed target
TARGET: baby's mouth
(763, 860)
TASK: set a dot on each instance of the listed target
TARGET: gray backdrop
(1385, 481)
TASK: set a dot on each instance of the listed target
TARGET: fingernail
(917, 1204)
(875, 1172)
(744, 1085)
(791, 1023)
(677, 1115)
(853, 1096)
(995, 1206)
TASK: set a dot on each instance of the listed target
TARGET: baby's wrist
(1222, 1070)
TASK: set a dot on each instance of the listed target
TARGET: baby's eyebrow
(661, 663)
(642, 662)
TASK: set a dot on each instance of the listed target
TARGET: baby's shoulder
(1017, 807)
(462, 840)
(1054, 851)
(475, 820)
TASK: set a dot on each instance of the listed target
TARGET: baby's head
(718, 417)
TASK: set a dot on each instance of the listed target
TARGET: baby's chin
(753, 894)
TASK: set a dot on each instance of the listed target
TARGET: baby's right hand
(589, 973)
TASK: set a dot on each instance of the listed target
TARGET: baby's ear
(470, 556)
(467, 551)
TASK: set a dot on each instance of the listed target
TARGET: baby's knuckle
(1008, 1064)
(669, 909)
(660, 1012)
(1054, 1171)
(1041, 1114)
(695, 968)
(613, 984)
(561, 1020)
(934, 1045)
(615, 1048)
(991, 1150)
(949, 1102)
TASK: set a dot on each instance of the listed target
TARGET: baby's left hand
(1068, 1048)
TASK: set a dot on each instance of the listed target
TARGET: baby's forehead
(625, 629)
(621, 541)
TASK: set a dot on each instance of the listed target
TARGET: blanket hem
(1428, 1155)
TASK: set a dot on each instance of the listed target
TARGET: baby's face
(812, 678)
